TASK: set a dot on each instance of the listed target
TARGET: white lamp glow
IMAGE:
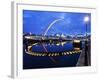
(86, 19)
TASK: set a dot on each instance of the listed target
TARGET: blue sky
(37, 22)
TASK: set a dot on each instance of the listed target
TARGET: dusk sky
(47, 22)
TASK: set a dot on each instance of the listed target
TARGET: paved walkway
(81, 60)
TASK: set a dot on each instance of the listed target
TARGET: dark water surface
(33, 62)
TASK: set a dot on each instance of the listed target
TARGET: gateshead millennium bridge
(51, 46)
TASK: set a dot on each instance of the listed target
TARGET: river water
(36, 62)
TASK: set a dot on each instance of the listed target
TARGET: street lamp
(86, 20)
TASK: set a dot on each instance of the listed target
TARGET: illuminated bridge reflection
(37, 54)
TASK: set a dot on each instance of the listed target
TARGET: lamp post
(86, 20)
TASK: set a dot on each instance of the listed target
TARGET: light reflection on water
(34, 62)
(53, 47)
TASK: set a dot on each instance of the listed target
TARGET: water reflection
(53, 47)
(44, 54)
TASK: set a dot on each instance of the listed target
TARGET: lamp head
(86, 19)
